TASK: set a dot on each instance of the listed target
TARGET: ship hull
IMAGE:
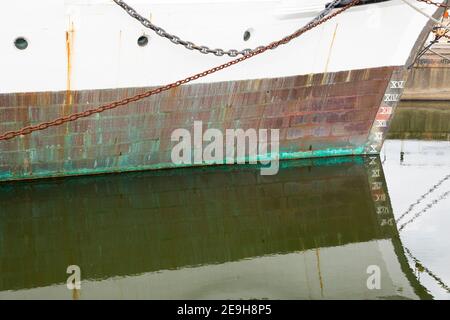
(326, 94)
(332, 114)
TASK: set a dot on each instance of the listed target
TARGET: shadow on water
(311, 231)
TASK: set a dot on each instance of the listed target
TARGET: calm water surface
(313, 231)
(419, 188)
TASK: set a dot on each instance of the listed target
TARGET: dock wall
(430, 76)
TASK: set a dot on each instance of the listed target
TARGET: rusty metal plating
(72, 117)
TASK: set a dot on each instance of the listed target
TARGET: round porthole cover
(142, 41)
(21, 43)
(247, 35)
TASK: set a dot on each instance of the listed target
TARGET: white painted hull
(78, 45)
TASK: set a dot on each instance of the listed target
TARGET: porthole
(247, 35)
(142, 41)
(21, 43)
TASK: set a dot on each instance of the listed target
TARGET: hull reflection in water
(310, 232)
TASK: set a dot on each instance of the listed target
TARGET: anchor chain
(440, 32)
(437, 4)
(72, 117)
(202, 48)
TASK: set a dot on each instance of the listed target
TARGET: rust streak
(331, 48)
(68, 101)
(76, 295)
(319, 272)
(69, 48)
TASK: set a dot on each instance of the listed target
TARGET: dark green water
(311, 232)
(421, 120)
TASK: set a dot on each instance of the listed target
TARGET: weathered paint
(318, 115)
